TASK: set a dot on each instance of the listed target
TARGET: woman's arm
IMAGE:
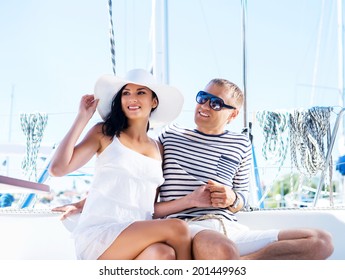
(69, 157)
(198, 198)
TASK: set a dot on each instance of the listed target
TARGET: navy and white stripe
(191, 158)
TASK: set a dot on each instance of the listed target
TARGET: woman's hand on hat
(88, 105)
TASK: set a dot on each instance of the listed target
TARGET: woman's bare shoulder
(96, 131)
(104, 140)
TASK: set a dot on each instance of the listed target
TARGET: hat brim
(170, 98)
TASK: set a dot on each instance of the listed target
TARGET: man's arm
(224, 197)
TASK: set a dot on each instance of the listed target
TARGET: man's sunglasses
(216, 103)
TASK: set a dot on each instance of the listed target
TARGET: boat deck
(40, 234)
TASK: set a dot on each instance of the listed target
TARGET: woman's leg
(157, 251)
(140, 235)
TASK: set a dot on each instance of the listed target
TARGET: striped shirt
(191, 158)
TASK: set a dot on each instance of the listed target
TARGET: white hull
(34, 237)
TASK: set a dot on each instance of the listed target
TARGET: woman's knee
(163, 251)
(157, 251)
(179, 228)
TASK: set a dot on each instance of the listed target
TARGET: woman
(116, 220)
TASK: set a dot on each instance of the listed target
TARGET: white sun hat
(170, 98)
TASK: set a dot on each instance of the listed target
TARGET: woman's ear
(154, 103)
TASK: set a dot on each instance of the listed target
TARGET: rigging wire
(209, 34)
(112, 37)
(316, 63)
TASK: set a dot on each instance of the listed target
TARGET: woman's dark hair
(116, 121)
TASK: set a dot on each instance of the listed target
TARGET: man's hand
(221, 196)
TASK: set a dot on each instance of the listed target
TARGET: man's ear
(233, 115)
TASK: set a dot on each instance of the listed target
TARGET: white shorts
(247, 241)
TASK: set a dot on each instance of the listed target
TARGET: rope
(33, 126)
(308, 129)
(6, 200)
(274, 125)
(251, 209)
(211, 216)
(112, 37)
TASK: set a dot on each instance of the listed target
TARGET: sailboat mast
(10, 130)
(341, 56)
(160, 40)
(244, 58)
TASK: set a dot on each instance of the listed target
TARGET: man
(206, 173)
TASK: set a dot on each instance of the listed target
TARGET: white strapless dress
(122, 192)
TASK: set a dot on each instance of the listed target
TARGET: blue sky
(52, 52)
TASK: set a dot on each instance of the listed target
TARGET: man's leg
(296, 244)
(212, 245)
